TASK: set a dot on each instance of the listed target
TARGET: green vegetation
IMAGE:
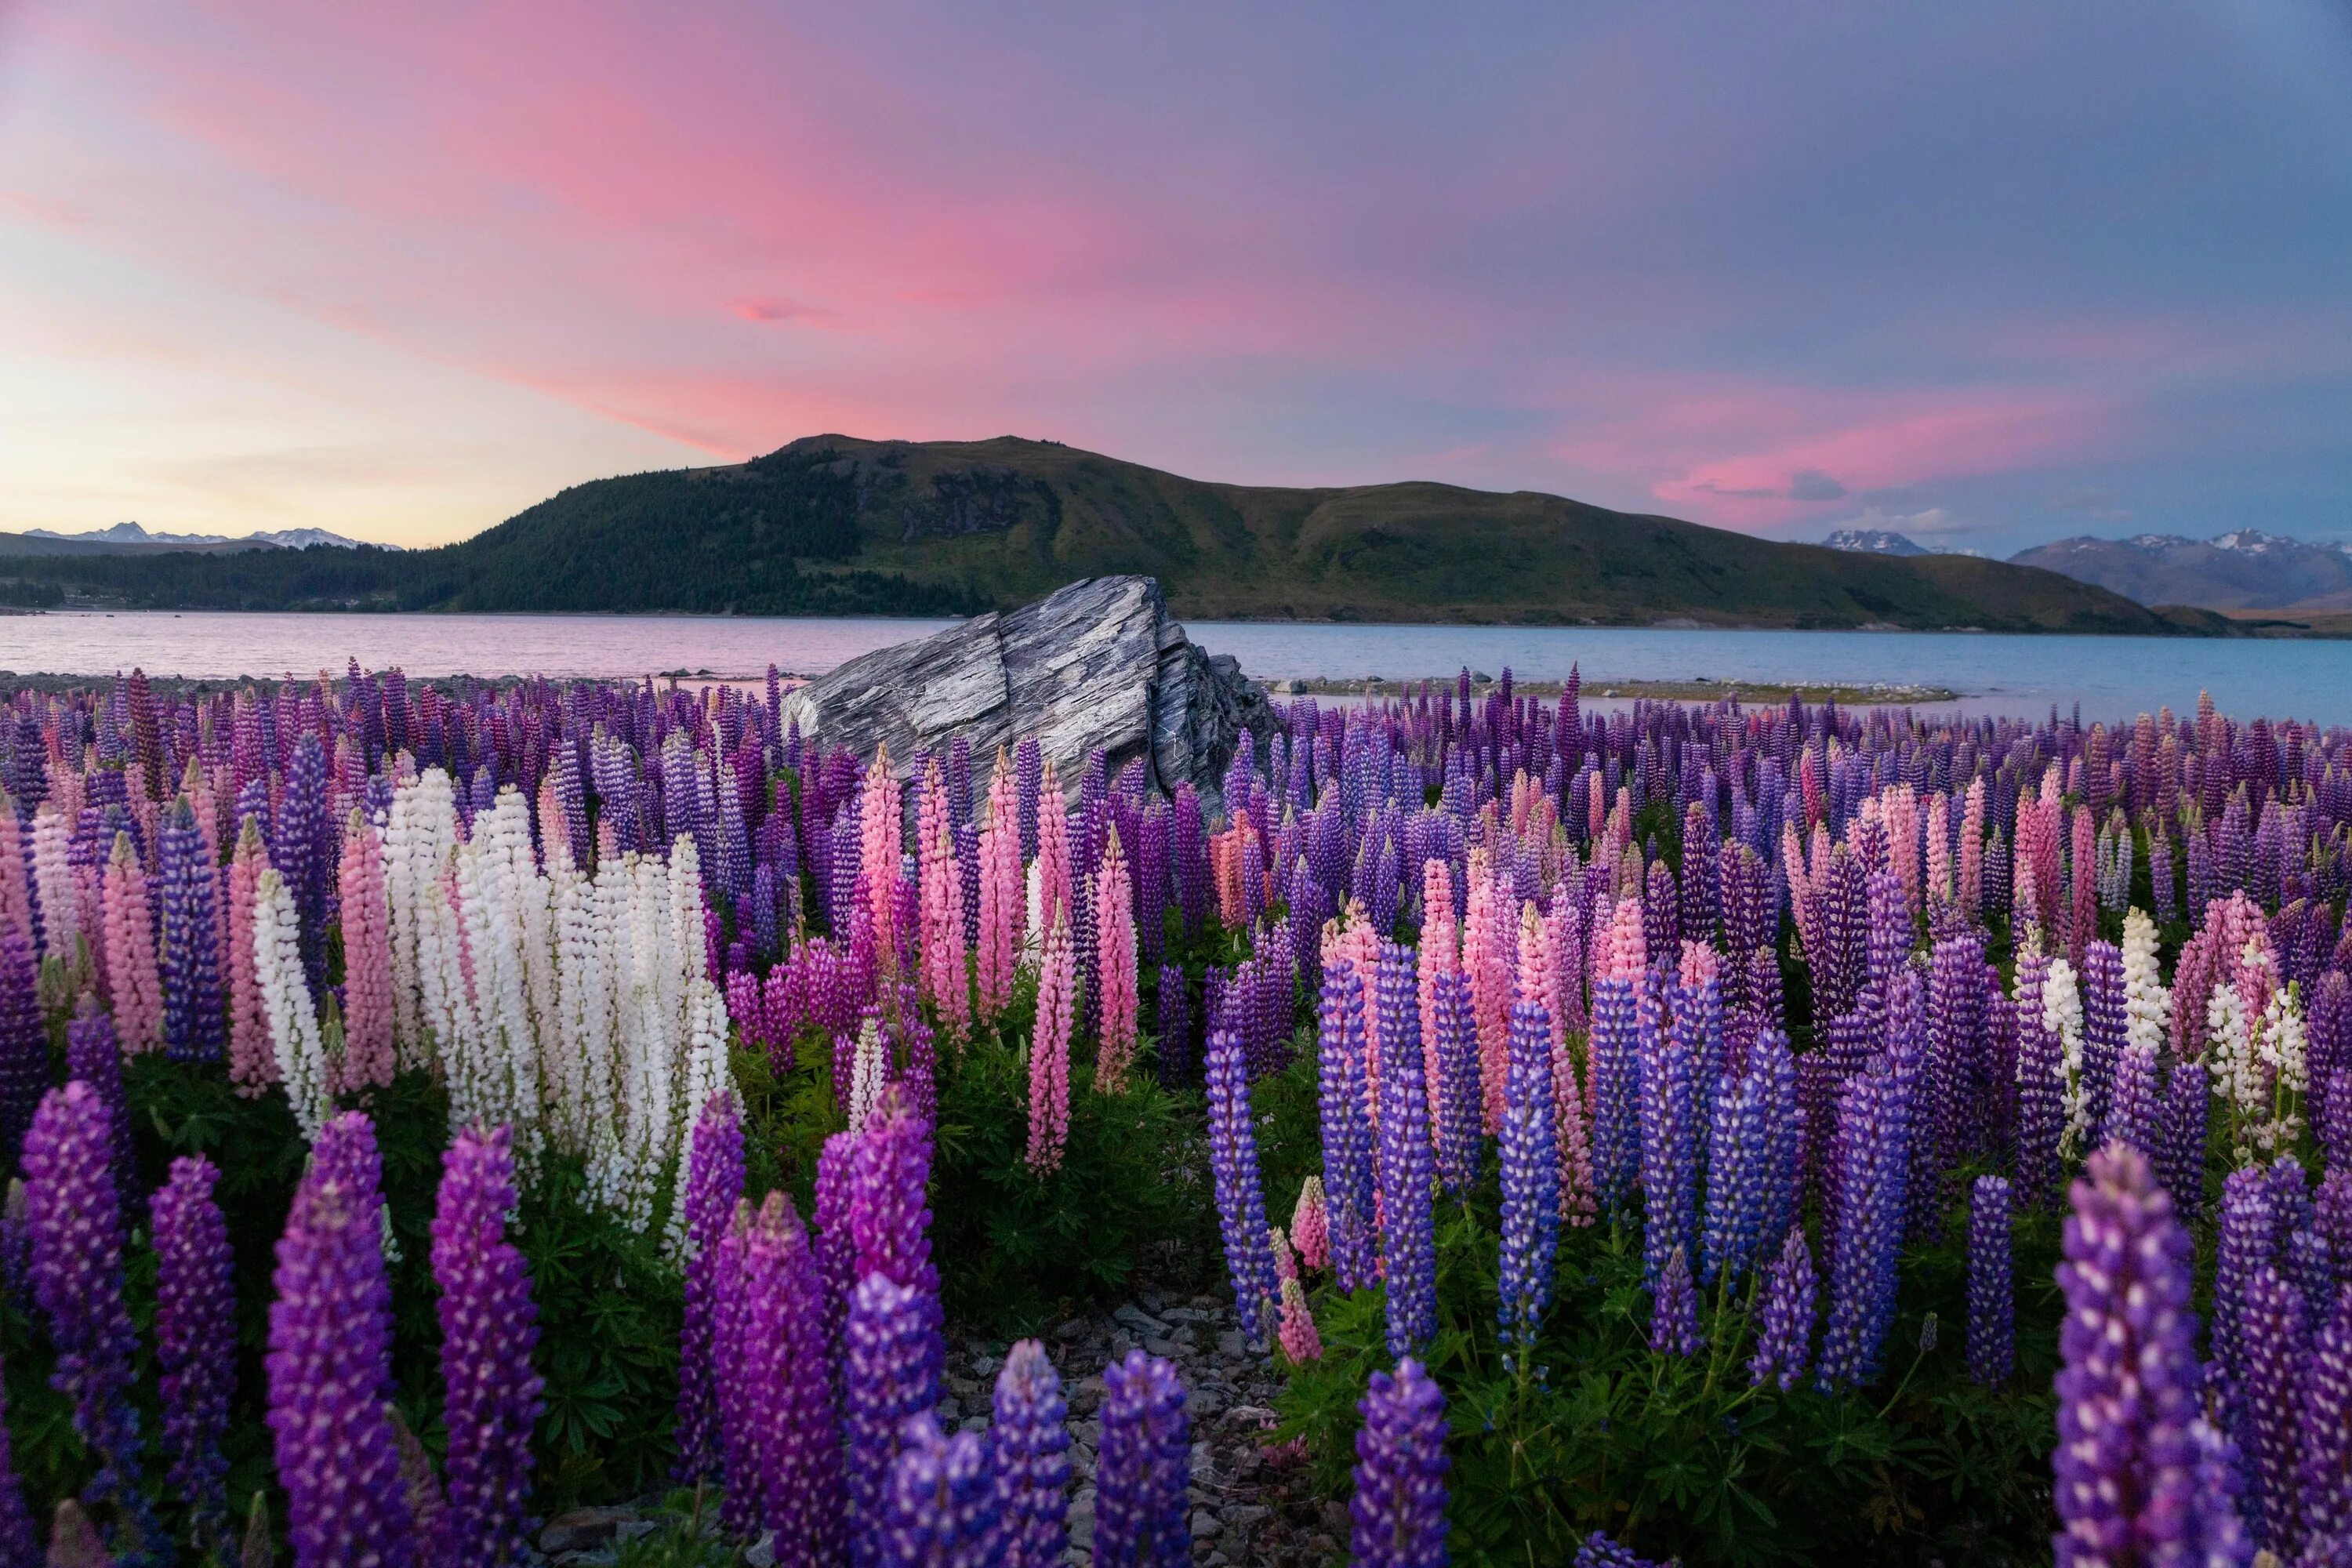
(831, 524)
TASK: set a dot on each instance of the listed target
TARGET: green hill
(832, 524)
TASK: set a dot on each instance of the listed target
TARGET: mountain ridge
(2243, 569)
(836, 524)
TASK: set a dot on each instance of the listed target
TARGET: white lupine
(2260, 1068)
(432, 1011)
(2147, 1001)
(708, 1072)
(564, 1059)
(869, 1071)
(494, 1072)
(294, 1035)
(53, 881)
(2062, 1015)
(608, 991)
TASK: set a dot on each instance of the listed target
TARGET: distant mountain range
(2241, 570)
(836, 524)
(125, 536)
(1876, 541)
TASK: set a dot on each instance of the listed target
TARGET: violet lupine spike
(1600, 1551)
(1993, 1293)
(2276, 1340)
(330, 1364)
(195, 1028)
(2248, 1238)
(1528, 1152)
(1175, 1024)
(1874, 1151)
(1614, 1051)
(1143, 1467)
(1029, 1450)
(714, 1185)
(94, 1056)
(2127, 1462)
(1398, 1513)
(1674, 1309)
(195, 1341)
(17, 1543)
(2324, 1467)
(1241, 1199)
(890, 1374)
(890, 1215)
(24, 1045)
(1409, 1237)
(938, 1508)
(1784, 1331)
(75, 1220)
(2180, 1162)
(2105, 1024)
(1669, 1118)
(490, 1327)
(1740, 1177)
(1346, 1134)
(1455, 1093)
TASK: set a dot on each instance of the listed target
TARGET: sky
(1989, 274)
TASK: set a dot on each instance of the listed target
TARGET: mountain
(1874, 542)
(131, 536)
(834, 524)
(2240, 570)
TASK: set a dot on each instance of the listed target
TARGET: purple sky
(1986, 273)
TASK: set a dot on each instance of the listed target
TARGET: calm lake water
(2110, 677)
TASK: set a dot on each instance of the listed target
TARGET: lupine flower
(330, 1364)
(366, 919)
(190, 957)
(1530, 1218)
(1674, 1309)
(489, 1326)
(2128, 1458)
(889, 1217)
(1143, 1467)
(1001, 905)
(2248, 1238)
(2276, 1340)
(92, 1057)
(1784, 1331)
(939, 1505)
(2324, 1473)
(1600, 1551)
(1347, 1141)
(714, 1185)
(24, 1045)
(1669, 1137)
(195, 1340)
(1613, 1053)
(2180, 1162)
(1240, 1201)
(1399, 1509)
(293, 1023)
(1409, 1233)
(1029, 1445)
(1114, 959)
(1992, 1305)
(76, 1222)
(1299, 1337)
(1049, 1052)
(1309, 1231)
(1874, 1141)
(136, 989)
(890, 1375)
(252, 1062)
(783, 1455)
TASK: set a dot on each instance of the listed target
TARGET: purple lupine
(2249, 1237)
(2324, 1465)
(1601, 1551)
(1669, 1117)
(889, 1217)
(1993, 1293)
(2129, 1457)
(2040, 1093)
(195, 1341)
(890, 1372)
(1175, 1026)
(330, 1364)
(2275, 1341)
(714, 1185)
(1241, 1200)
(1956, 1031)
(1613, 1049)
(1674, 1309)
(195, 1025)
(1143, 1467)
(2135, 1112)
(1456, 1092)
(17, 1543)
(1529, 1152)
(1409, 1233)
(1873, 1148)
(303, 850)
(781, 1454)
(1398, 1513)
(1784, 1331)
(1740, 1175)
(94, 1056)
(75, 1220)
(1347, 1129)
(2105, 1027)
(489, 1326)
(24, 1045)
(2180, 1161)
(1029, 1450)
(939, 1505)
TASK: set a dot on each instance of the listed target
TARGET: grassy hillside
(836, 524)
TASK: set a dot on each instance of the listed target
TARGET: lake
(2111, 676)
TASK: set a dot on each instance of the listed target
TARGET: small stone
(1160, 1345)
(1232, 1345)
(583, 1529)
(1243, 1515)
(630, 1529)
(762, 1552)
(1206, 1526)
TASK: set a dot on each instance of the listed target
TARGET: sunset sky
(1986, 273)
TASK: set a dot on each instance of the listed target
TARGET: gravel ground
(1250, 1503)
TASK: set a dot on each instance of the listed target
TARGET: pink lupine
(1939, 849)
(1115, 966)
(1310, 1228)
(1484, 942)
(1972, 834)
(1000, 894)
(253, 1065)
(367, 959)
(2082, 918)
(1056, 889)
(881, 834)
(1440, 953)
(1049, 1050)
(137, 992)
(946, 977)
(1300, 1341)
(16, 889)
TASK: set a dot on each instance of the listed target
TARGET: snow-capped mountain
(130, 535)
(1876, 541)
(2242, 569)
